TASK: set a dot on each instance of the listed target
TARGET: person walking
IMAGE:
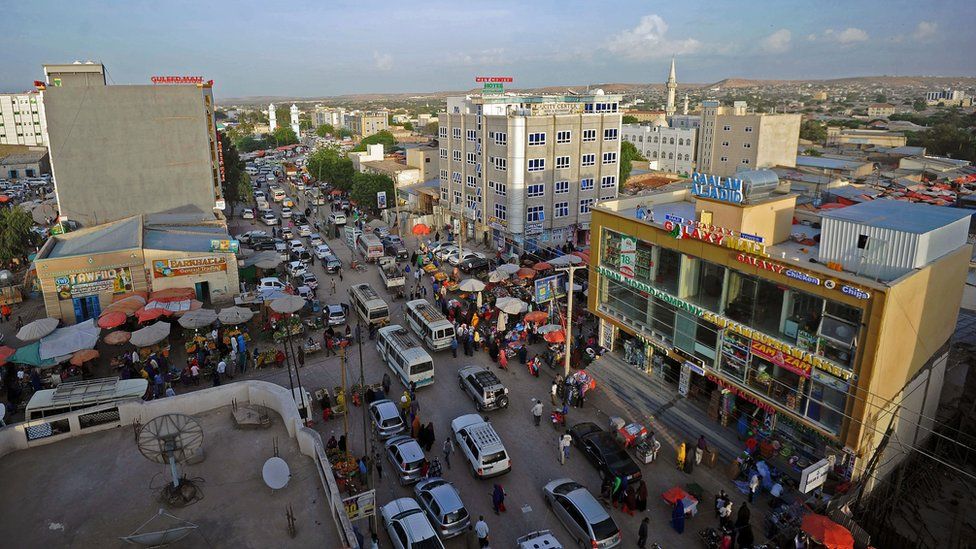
(498, 498)
(564, 442)
(378, 464)
(700, 450)
(448, 449)
(481, 529)
(682, 453)
(454, 346)
(553, 392)
(503, 359)
(537, 411)
(642, 533)
(753, 487)
(333, 285)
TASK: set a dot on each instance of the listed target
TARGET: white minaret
(272, 123)
(685, 109)
(669, 110)
(294, 120)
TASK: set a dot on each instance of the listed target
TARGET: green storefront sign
(647, 288)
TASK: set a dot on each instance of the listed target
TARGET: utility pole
(345, 397)
(571, 269)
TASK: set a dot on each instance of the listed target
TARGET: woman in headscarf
(678, 516)
(642, 496)
(498, 498)
(682, 453)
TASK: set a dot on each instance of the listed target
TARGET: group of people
(630, 497)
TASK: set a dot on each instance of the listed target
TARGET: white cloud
(778, 42)
(812, 37)
(925, 31)
(382, 61)
(850, 35)
(649, 39)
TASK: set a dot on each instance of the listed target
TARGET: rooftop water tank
(757, 184)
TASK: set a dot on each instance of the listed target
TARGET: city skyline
(251, 49)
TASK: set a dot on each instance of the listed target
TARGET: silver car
(407, 526)
(386, 419)
(582, 515)
(443, 505)
(407, 458)
(484, 387)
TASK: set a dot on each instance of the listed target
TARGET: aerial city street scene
(528, 275)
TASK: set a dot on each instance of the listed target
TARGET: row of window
(665, 141)
(744, 145)
(670, 156)
(562, 162)
(728, 128)
(565, 136)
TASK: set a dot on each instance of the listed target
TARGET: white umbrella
(198, 318)
(37, 329)
(235, 315)
(471, 285)
(498, 276)
(150, 335)
(287, 304)
(509, 268)
(549, 328)
(565, 260)
(511, 305)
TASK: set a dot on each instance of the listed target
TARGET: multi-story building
(367, 123)
(881, 110)
(670, 149)
(806, 331)
(333, 116)
(22, 119)
(526, 170)
(948, 98)
(685, 120)
(119, 151)
(424, 158)
(732, 138)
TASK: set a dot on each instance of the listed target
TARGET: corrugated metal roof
(899, 215)
(826, 163)
(112, 237)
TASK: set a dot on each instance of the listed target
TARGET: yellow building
(809, 334)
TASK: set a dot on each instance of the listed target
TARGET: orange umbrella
(111, 319)
(420, 229)
(6, 353)
(173, 294)
(526, 272)
(83, 356)
(536, 316)
(827, 532)
(129, 305)
(542, 266)
(4, 198)
(117, 338)
(145, 315)
(555, 337)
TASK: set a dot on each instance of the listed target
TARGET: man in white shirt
(536, 410)
(481, 528)
(564, 442)
(221, 368)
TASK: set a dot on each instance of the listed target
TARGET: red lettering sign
(761, 263)
(740, 393)
(780, 359)
(177, 79)
(481, 79)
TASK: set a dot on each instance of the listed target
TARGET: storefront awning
(70, 339)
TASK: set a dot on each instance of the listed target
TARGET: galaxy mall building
(810, 329)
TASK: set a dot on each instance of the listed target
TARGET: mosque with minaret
(668, 142)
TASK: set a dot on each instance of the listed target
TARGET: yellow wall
(772, 219)
(49, 269)
(222, 283)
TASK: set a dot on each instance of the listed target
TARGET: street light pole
(571, 269)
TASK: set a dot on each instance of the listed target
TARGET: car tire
(503, 402)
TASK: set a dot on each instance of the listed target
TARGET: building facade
(881, 110)
(673, 149)
(118, 151)
(732, 138)
(367, 123)
(425, 159)
(333, 116)
(22, 119)
(948, 98)
(526, 170)
(715, 300)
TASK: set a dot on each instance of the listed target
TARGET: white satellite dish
(276, 473)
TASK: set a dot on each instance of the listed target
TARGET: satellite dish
(276, 473)
(172, 439)
(162, 529)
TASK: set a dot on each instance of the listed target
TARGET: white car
(408, 525)
(286, 233)
(315, 239)
(269, 218)
(443, 252)
(308, 279)
(294, 245)
(285, 213)
(296, 269)
(281, 247)
(458, 256)
(259, 196)
(304, 230)
(322, 250)
(248, 213)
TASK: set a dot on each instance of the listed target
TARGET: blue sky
(329, 47)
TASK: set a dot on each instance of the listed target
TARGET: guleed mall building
(811, 329)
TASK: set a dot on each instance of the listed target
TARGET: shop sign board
(549, 109)
(680, 227)
(628, 255)
(765, 406)
(493, 84)
(724, 189)
(802, 276)
(780, 358)
(117, 281)
(381, 200)
(166, 268)
(225, 246)
(647, 288)
(176, 80)
(549, 288)
(607, 334)
(361, 505)
(533, 228)
(814, 476)
(684, 381)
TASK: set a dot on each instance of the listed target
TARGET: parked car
(456, 257)
(335, 314)
(407, 458)
(331, 263)
(262, 245)
(245, 238)
(484, 387)
(315, 239)
(396, 250)
(285, 213)
(288, 202)
(247, 213)
(540, 539)
(269, 218)
(384, 415)
(604, 452)
(443, 252)
(271, 282)
(321, 251)
(299, 218)
(280, 246)
(481, 446)
(442, 502)
(474, 265)
(583, 516)
(295, 244)
(308, 279)
(337, 219)
(287, 233)
(295, 269)
(407, 525)
(304, 230)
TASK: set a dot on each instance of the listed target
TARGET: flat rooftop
(899, 215)
(89, 490)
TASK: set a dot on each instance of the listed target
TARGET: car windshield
(494, 457)
(605, 529)
(456, 516)
(566, 488)
(421, 368)
(380, 313)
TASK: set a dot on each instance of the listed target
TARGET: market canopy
(29, 355)
(420, 229)
(526, 272)
(112, 319)
(150, 335)
(266, 259)
(536, 316)
(83, 356)
(497, 276)
(198, 318)
(511, 305)
(542, 266)
(234, 315)
(6, 353)
(128, 305)
(508, 268)
(37, 329)
(117, 338)
(471, 285)
(827, 532)
(145, 315)
(67, 340)
(173, 294)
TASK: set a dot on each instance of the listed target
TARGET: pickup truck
(391, 273)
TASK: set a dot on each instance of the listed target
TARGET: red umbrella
(117, 338)
(4, 198)
(6, 353)
(173, 294)
(526, 272)
(145, 315)
(536, 316)
(827, 532)
(420, 229)
(555, 337)
(542, 266)
(111, 319)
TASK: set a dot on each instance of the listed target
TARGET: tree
(304, 121)
(950, 140)
(329, 164)
(629, 119)
(365, 187)
(919, 105)
(881, 98)
(236, 186)
(628, 153)
(383, 137)
(812, 152)
(283, 135)
(16, 237)
(408, 126)
(812, 130)
(325, 130)
(431, 128)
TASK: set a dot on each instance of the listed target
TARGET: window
(537, 139)
(610, 134)
(457, 155)
(535, 190)
(500, 212)
(471, 182)
(586, 184)
(501, 189)
(727, 128)
(609, 158)
(608, 182)
(562, 187)
(589, 135)
(501, 164)
(535, 213)
(457, 197)
(654, 154)
(561, 209)
(681, 141)
(748, 129)
(562, 162)
(456, 177)
(501, 138)
(472, 202)
(563, 136)
(456, 132)
(724, 159)
(655, 139)
(588, 160)
(585, 205)
(444, 194)
(640, 138)
(537, 164)
(443, 176)
(442, 132)
(747, 145)
(745, 160)
(443, 153)
(672, 141)
(472, 135)
(725, 143)
(471, 158)
(670, 156)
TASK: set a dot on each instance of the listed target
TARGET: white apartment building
(333, 116)
(22, 119)
(526, 169)
(733, 138)
(669, 149)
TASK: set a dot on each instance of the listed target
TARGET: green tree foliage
(628, 153)
(812, 130)
(431, 128)
(16, 238)
(948, 139)
(846, 123)
(236, 186)
(384, 137)
(283, 135)
(629, 119)
(881, 98)
(220, 115)
(408, 126)
(251, 144)
(812, 152)
(304, 121)
(919, 105)
(365, 186)
(325, 130)
(330, 165)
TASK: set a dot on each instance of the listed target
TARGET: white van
(337, 218)
(481, 445)
(369, 305)
(405, 356)
(429, 324)
(370, 247)
(83, 394)
(277, 194)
